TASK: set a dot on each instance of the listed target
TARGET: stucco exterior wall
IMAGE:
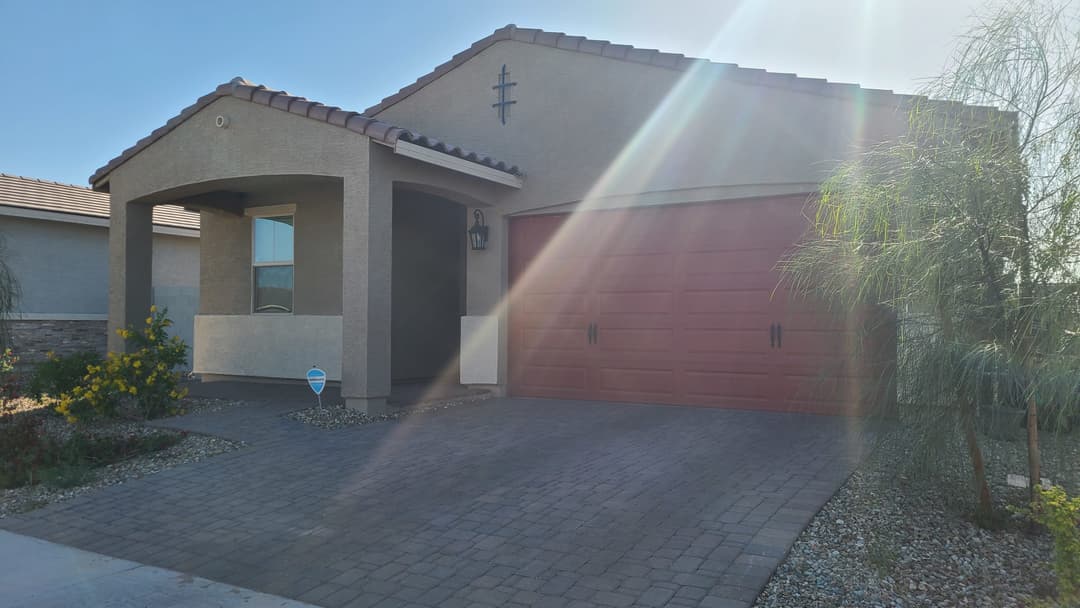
(585, 124)
(176, 260)
(259, 141)
(63, 270)
(225, 256)
(317, 258)
(268, 346)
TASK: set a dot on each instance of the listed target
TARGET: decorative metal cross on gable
(503, 88)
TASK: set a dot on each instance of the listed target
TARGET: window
(272, 264)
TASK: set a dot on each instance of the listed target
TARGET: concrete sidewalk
(36, 573)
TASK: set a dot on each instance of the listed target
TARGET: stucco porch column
(365, 307)
(130, 266)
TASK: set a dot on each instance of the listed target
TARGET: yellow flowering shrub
(142, 379)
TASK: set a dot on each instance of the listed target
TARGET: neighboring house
(56, 239)
(636, 203)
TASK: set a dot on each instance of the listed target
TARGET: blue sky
(80, 81)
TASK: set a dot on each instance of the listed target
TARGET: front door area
(676, 304)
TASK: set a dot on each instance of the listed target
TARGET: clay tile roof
(625, 52)
(43, 195)
(354, 121)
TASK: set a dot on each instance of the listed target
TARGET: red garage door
(676, 304)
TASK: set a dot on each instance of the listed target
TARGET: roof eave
(353, 121)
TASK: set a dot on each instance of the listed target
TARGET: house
(56, 240)
(545, 215)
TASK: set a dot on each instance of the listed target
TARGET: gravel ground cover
(338, 416)
(893, 539)
(192, 447)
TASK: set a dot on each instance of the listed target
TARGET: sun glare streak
(631, 171)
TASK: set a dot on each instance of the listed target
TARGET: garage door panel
(549, 303)
(722, 384)
(633, 302)
(653, 264)
(628, 320)
(560, 277)
(656, 382)
(750, 321)
(553, 338)
(737, 260)
(708, 234)
(683, 298)
(723, 282)
(735, 363)
(726, 341)
(552, 377)
(725, 301)
(641, 231)
(634, 340)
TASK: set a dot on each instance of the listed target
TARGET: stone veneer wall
(31, 340)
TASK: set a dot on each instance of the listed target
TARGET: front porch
(321, 245)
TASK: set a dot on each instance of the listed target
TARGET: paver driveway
(509, 502)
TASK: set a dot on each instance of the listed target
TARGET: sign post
(316, 379)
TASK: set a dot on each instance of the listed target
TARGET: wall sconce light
(478, 234)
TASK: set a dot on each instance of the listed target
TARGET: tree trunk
(985, 503)
(1034, 460)
(1027, 347)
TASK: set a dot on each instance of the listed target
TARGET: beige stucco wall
(317, 258)
(594, 132)
(259, 141)
(584, 123)
(225, 263)
(268, 346)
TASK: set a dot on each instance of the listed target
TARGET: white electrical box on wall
(479, 349)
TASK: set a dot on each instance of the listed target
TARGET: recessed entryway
(427, 286)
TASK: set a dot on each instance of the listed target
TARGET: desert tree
(968, 228)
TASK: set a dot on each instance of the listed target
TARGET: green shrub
(1061, 516)
(60, 374)
(28, 455)
(7, 361)
(9, 380)
(144, 379)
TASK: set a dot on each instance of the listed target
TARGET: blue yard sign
(316, 379)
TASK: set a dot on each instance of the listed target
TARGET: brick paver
(510, 502)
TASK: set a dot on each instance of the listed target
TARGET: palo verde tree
(968, 228)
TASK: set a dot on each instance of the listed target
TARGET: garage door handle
(772, 335)
(779, 336)
(590, 332)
